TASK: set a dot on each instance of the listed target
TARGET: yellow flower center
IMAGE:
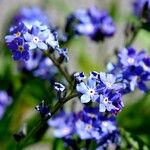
(21, 48)
(18, 34)
(88, 127)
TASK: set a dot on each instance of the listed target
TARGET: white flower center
(130, 60)
(108, 84)
(88, 127)
(91, 92)
(105, 100)
(36, 39)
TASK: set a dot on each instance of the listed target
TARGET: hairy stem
(41, 123)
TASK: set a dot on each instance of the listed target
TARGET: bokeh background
(84, 55)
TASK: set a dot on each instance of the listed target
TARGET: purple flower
(36, 39)
(92, 22)
(19, 49)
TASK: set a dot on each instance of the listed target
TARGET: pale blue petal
(28, 37)
(102, 107)
(42, 45)
(91, 82)
(85, 98)
(82, 88)
(32, 45)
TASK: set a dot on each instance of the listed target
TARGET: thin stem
(128, 43)
(64, 73)
(41, 123)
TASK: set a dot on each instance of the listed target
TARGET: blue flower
(92, 22)
(5, 101)
(16, 32)
(19, 49)
(30, 15)
(36, 39)
(88, 91)
(63, 124)
(141, 9)
(110, 101)
(45, 69)
(108, 81)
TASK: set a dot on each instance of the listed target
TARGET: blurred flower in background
(5, 101)
(92, 22)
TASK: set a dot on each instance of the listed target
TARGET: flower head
(19, 49)
(88, 90)
(92, 22)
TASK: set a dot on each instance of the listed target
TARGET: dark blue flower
(92, 22)
(79, 76)
(16, 32)
(59, 87)
(19, 49)
(43, 109)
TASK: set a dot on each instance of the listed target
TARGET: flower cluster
(87, 124)
(102, 88)
(133, 69)
(5, 101)
(91, 22)
(142, 9)
(32, 32)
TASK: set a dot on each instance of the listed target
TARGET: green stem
(128, 43)
(62, 71)
(41, 123)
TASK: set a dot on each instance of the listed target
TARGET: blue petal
(44, 35)
(91, 82)
(28, 37)
(42, 45)
(82, 88)
(16, 55)
(32, 45)
(85, 98)
(102, 107)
